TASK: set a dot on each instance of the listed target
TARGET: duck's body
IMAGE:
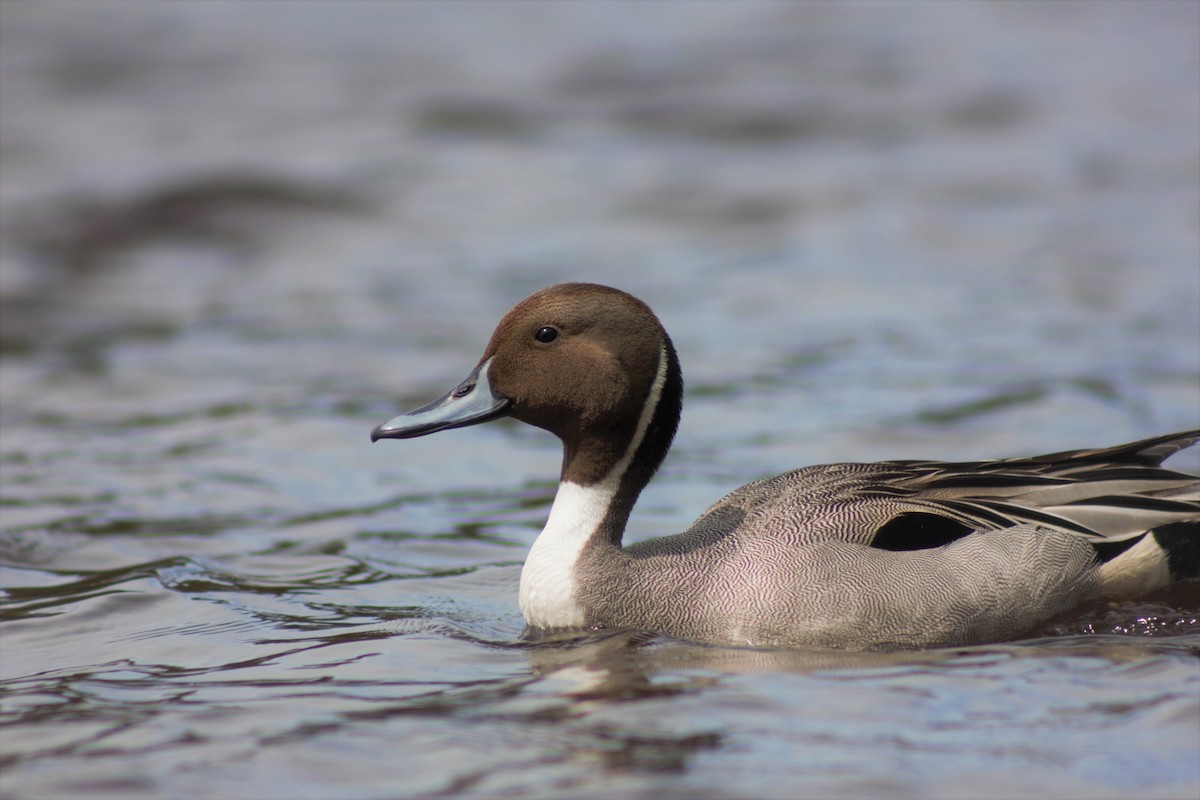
(893, 554)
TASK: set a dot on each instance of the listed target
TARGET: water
(236, 237)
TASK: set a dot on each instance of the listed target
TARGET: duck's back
(1104, 494)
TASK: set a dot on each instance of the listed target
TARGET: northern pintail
(887, 555)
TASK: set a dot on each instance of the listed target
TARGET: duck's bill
(469, 403)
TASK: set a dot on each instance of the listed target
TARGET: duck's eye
(546, 334)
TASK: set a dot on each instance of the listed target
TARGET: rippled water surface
(237, 236)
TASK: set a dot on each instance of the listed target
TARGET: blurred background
(235, 236)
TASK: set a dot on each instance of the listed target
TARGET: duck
(905, 554)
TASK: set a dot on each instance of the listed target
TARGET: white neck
(548, 577)
(547, 593)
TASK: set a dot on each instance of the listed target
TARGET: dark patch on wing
(918, 530)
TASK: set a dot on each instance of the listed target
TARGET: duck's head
(588, 363)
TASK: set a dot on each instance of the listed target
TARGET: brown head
(580, 360)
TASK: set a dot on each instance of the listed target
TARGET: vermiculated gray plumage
(802, 549)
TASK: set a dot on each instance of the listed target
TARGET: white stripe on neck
(547, 594)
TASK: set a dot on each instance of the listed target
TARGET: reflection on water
(235, 237)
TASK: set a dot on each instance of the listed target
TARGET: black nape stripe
(663, 422)
(660, 432)
(918, 530)
(1181, 542)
